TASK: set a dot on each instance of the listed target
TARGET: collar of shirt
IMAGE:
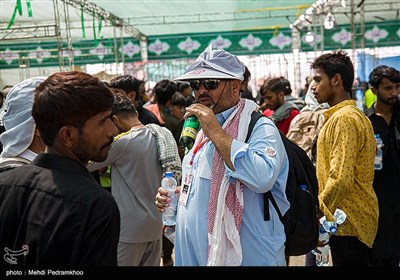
(370, 111)
(329, 112)
(223, 116)
(28, 154)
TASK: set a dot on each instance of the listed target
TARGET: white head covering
(17, 118)
(214, 64)
(311, 102)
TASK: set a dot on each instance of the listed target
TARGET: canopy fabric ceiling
(161, 17)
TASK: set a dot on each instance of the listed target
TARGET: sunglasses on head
(208, 84)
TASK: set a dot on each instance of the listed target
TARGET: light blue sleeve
(262, 163)
(259, 162)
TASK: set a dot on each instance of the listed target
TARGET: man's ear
(132, 95)
(37, 132)
(68, 135)
(235, 85)
(374, 90)
(117, 122)
(281, 96)
(336, 80)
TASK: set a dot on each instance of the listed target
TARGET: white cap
(214, 64)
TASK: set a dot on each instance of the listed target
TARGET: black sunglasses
(208, 84)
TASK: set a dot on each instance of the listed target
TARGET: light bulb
(329, 22)
(310, 37)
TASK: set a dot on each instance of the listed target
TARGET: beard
(85, 151)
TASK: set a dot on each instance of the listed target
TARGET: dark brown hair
(68, 98)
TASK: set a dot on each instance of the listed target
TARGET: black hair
(337, 62)
(276, 85)
(383, 71)
(164, 90)
(126, 82)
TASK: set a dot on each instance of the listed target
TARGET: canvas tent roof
(158, 17)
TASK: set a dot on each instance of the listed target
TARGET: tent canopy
(37, 20)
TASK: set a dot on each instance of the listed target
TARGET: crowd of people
(62, 133)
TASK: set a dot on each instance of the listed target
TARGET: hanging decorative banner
(281, 40)
(130, 49)
(158, 47)
(100, 51)
(9, 57)
(250, 42)
(39, 54)
(189, 46)
(376, 34)
(343, 37)
(383, 35)
(221, 43)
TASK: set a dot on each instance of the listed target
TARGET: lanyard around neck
(198, 146)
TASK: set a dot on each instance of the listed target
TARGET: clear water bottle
(169, 233)
(328, 226)
(189, 132)
(378, 164)
(331, 226)
(169, 184)
(322, 259)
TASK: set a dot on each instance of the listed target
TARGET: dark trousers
(167, 247)
(310, 259)
(389, 262)
(348, 251)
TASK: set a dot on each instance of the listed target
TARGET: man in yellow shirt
(345, 161)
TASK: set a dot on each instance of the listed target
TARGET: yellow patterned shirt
(345, 170)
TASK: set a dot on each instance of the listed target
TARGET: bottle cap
(168, 174)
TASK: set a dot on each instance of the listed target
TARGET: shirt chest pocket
(204, 161)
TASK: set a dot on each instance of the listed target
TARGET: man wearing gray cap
(220, 220)
(21, 140)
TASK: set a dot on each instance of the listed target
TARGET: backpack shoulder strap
(255, 115)
(268, 195)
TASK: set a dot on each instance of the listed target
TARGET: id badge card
(185, 188)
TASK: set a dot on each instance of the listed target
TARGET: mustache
(204, 95)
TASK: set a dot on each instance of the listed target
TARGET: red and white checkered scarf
(225, 206)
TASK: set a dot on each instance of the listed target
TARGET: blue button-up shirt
(261, 165)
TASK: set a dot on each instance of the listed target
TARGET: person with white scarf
(220, 219)
(21, 140)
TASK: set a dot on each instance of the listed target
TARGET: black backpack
(301, 220)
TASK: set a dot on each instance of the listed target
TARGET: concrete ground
(297, 261)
